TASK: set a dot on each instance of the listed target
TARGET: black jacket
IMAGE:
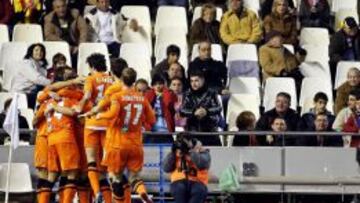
(338, 46)
(215, 72)
(306, 122)
(22, 124)
(207, 99)
(313, 141)
(264, 124)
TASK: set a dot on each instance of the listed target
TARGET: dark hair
(30, 50)
(284, 94)
(128, 76)
(277, 117)
(97, 61)
(7, 103)
(321, 114)
(58, 57)
(142, 80)
(177, 78)
(355, 93)
(196, 72)
(244, 119)
(117, 66)
(157, 79)
(322, 96)
(173, 49)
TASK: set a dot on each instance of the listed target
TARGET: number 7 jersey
(129, 111)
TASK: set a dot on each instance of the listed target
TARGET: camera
(181, 144)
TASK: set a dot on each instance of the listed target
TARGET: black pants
(185, 191)
(114, 49)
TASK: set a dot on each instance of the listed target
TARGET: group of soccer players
(89, 131)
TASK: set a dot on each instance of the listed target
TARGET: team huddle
(89, 131)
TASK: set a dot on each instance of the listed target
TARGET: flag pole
(8, 172)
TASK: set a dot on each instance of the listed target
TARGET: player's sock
(83, 190)
(118, 192)
(127, 190)
(106, 190)
(62, 183)
(139, 187)
(94, 177)
(69, 191)
(44, 191)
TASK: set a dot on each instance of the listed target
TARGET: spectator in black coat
(22, 124)
(306, 122)
(215, 71)
(281, 110)
(321, 124)
(344, 45)
(315, 14)
(201, 108)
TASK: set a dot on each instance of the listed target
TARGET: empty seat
(315, 69)
(197, 14)
(253, 5)
(311, 86)
(318, 53)
(137, 56)
(142, 16)
(22, 100)
(341, 14)
(4, 33)
(31, 33)
(343, 4)
(245, 85)
(11, 54)
(314, 36)
(275, 85)
(85, 50)
(242, 60)
(53, 48)
(239, 103)
(29, 115)
(342, 70)
(20, 178)
(167, 16)
(216, 52)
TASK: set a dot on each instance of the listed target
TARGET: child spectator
(58, 60)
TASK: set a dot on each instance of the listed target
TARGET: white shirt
(26, 76)
(106, 34)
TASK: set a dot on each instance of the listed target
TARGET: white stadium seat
(239, 103)
(4, 33)
(314, 36)
(343, 4)
(216, 52)
(273, 86)
(22, 101)
(245, 85)
(53, 48)
(171, 16)
(85, 50)
(311, 86)
(315, 68)
(253, 5)
(138, 57)
(29, 115)
(241, 52)
(142, 16)
(242, 60)
(342, 70)
(20, 178)
(197, 14)
(31, 33)
(318, 53)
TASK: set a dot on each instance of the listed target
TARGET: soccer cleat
(99, 198)
(145, 198)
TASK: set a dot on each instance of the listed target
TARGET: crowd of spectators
(196, 99)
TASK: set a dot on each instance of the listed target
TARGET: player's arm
(59, 85)
(39, 115)
(101, 106)
(112, 112)
(88, 89)
(67, 111)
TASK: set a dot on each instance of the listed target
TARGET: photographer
(188, 163)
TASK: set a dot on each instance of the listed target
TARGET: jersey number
(100, 93)
(135, 120)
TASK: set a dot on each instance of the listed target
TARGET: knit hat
(272, 34)
(350, 22)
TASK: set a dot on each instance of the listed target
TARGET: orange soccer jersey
(96, 84)
(129, 110)
(63, 152)
(41, 143)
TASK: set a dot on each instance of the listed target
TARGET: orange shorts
(41, 152)
(94, 138)
(63, 157)
(82, 153)
(118, 159)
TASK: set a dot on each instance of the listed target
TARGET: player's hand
(79, 80)
(55, 96)
(202, 112)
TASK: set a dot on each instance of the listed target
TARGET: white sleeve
(30, 73)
